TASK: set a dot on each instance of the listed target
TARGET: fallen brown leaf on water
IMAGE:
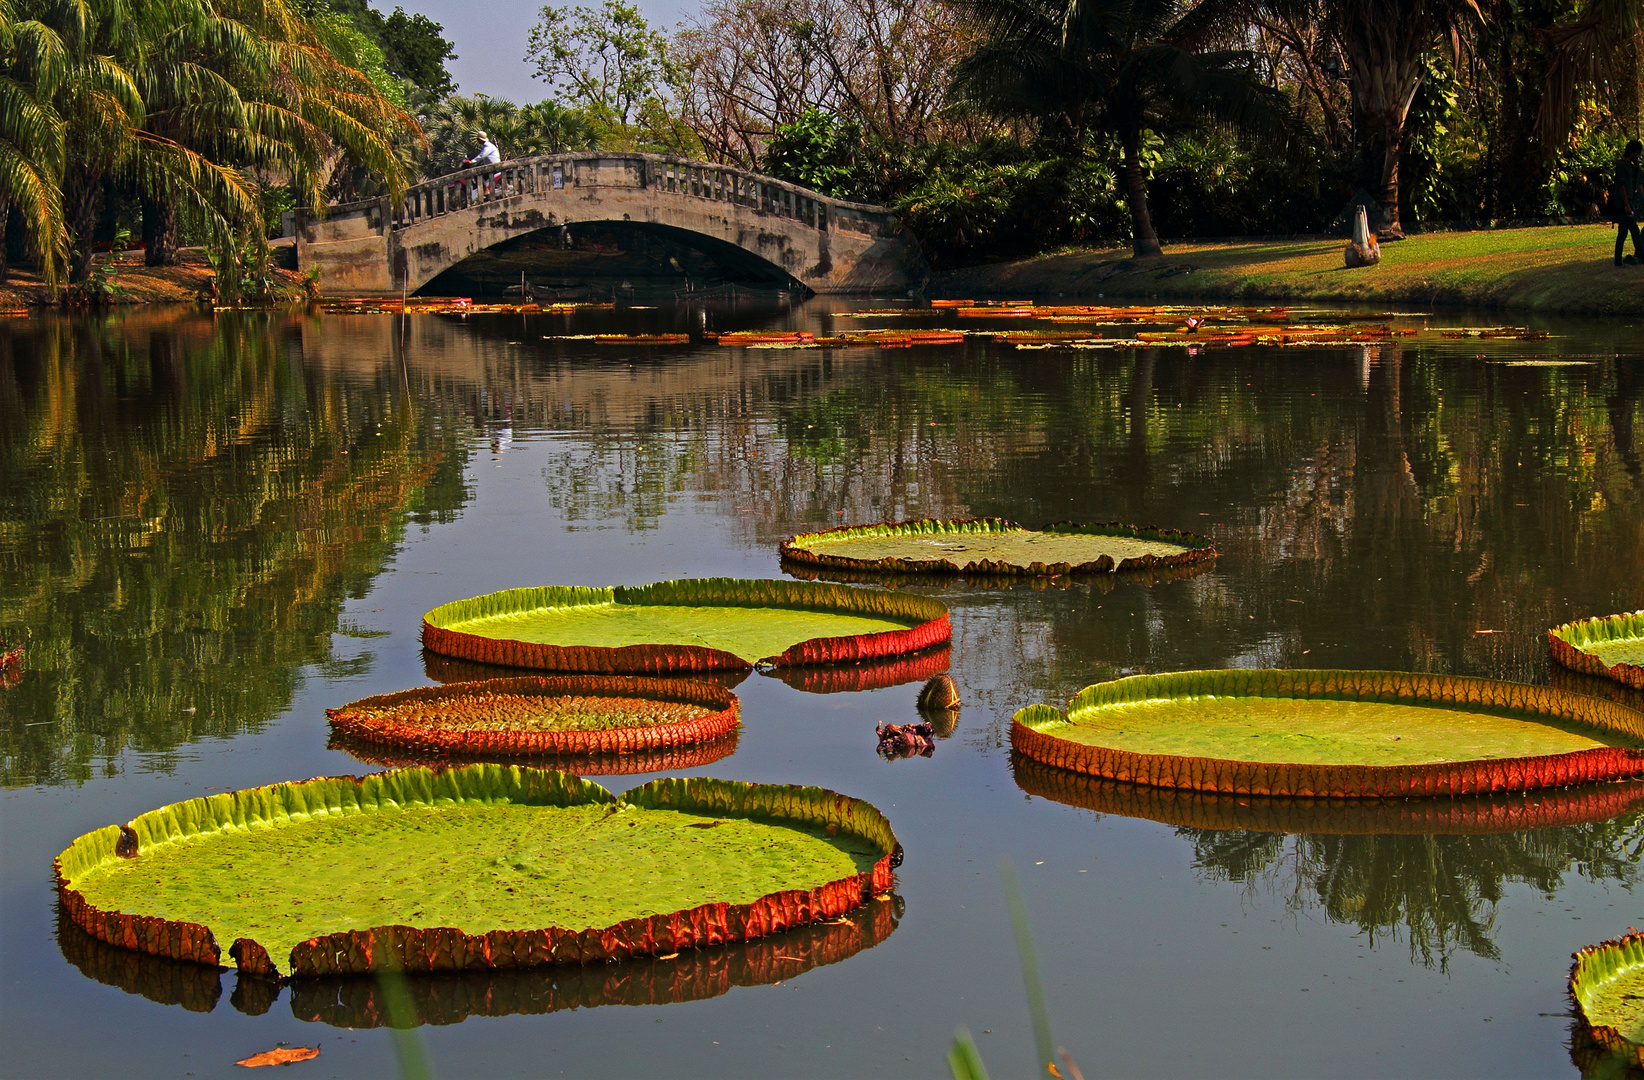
(280, 1056)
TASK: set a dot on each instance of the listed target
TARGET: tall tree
(1118, 67)
(32, 62)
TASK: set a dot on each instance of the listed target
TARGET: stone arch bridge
(372, 247)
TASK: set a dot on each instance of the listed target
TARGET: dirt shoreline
(186, 282)
(1563, 270)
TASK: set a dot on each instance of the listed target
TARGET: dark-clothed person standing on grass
(1627, 200)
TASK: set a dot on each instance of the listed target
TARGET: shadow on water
(1430, 870)
(693, 975)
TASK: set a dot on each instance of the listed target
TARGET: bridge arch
(827, 245)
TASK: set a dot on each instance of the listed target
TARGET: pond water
(213, 529)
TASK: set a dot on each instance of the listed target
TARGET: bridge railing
(666, 176)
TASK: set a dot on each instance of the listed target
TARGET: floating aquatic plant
(690, 625)
(995, 546)
(1611, 646)
(1544, 808)
(486, 866)
(1607, 988)
(577, 714)
(1360, 734)
(452, 997)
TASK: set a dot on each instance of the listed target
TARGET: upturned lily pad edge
(428, 949)
(1567, 641)
(1229, 776)
(354, 720)
(1592, 965)
(795, 549)
(927, 625)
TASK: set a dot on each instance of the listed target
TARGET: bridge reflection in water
(825, 244)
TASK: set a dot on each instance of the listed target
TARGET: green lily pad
(473, 867)
(1607, 986)
(1334, 733)
(695, 624)
(1611, 646)
(996, 546)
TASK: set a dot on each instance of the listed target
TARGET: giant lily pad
(689, 625)
(476, 867)
(568, 714)
(1607, 987)
(1611, 646)
(452, 997)
(1362, 734)
(995, 546)
(1465, 815)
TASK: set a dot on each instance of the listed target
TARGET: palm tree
(1116, 67)
(1601, 46)
(1383, 43)
(31, 140)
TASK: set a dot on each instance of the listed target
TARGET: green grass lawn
(1565, 269)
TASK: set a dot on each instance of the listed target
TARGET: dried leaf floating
(995, 546)
(1607, 988)
(1353, 734)
(584, 715)
(427, 870)
(696, 624)
(280, 1056)
(1610, 646)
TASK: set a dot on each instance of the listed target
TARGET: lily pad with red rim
(1356, 734)
(452, 997)
(475, 867)
(1611, 646)
(1607, 989)
(995, 546)
(533, 715)
(700, 624)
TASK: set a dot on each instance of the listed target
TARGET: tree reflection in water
(1439, 892)
(185, 508)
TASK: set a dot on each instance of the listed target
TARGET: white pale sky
(489, 36)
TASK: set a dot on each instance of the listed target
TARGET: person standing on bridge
(488, 155)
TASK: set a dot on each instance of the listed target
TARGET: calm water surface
(211, 530)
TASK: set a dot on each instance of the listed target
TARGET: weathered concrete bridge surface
(830, 246)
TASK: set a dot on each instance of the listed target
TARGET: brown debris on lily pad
(359, 841)
(983, 546)
(534, 715)
(1607, 989)
(1334, 734)
(1610, 646)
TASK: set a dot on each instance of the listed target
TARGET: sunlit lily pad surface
(1607, 985)
(695, 624)
(1611, 646)
(587, 714)
(483, 866)
(1334, 733)
(994, 545)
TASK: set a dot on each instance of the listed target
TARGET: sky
(489, 36)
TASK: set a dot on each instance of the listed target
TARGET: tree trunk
(5, 240)
(1144, 241)
(159, 232)
(1382, 141)
(82, 199)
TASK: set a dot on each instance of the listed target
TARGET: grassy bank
(187, 282)
(1564, 269)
